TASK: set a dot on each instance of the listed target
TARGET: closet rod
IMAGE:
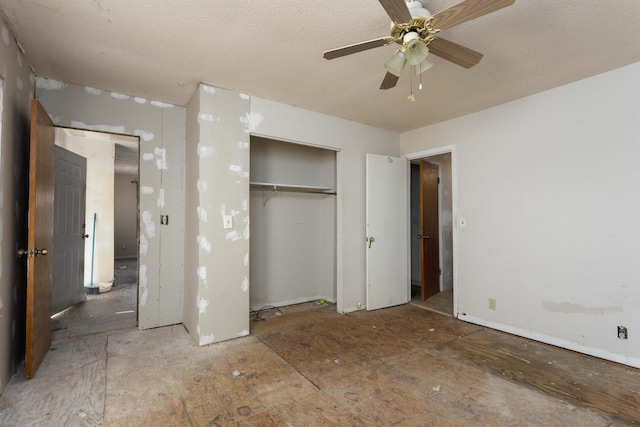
(274, 188)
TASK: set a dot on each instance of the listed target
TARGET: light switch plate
(227, 221)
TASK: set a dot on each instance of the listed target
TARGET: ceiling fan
(416, 31)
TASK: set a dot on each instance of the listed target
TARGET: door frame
(424, 155)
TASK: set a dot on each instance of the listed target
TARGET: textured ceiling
(273, 49)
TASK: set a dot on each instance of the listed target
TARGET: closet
(293, 223)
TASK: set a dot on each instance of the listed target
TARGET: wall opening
(109, 276)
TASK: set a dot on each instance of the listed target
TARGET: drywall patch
(145, 135)
(146, 190)
(144, 292)
(246, 230)
(19, 83)
(202, 214)
(19, 59)
(252, 120)
(161, 158)
(102, 128)
(245, 204)
(140, 100)
(245, 260)
(209, 89)
(202, 304)
(203, 117)
(49, 84)
(161, 198)
(144, 244)
(573, 308)
(235, 168)
(203, 243)
(93, 90)
(245, 284)
(244, 96)
(202, 186)
(243, 145)
(5, 35)
(205, 151)
(149, 224)
(202, 273)
(161, 104)
(243, 333)
(147, 156)
(232, 235)
(117, 95)
(206, 339)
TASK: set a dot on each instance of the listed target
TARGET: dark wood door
(40, 238)
(429, 230)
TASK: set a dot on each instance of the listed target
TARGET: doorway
(109, 277)
(431, 207)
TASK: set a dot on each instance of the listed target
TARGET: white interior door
(387, 231)
(69, 232)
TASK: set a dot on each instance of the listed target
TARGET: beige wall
(17, 91)
(125, 220)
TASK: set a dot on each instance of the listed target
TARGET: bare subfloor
(402, 366)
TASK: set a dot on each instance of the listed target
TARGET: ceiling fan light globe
(422, 67)
(396, 63)
(416, 52)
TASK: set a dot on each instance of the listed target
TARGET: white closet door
(387, 231)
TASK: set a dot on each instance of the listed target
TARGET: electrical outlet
(622, 333)
(492, 304)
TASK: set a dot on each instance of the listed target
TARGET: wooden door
(40, 238)
(429, 230)
(69, 233)
(387, 219)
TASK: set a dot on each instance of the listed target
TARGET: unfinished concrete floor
(402, 366)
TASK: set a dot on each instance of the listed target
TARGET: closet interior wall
(293, 223)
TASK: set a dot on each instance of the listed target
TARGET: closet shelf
(292, 188)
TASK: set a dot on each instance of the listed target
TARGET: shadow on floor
(100, 313)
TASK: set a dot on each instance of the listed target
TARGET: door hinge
(438, 180)
(439, 272)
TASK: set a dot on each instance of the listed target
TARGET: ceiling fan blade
(459, 55)
(357, 47)
(397, 10)
(466, 11)
(389, 81)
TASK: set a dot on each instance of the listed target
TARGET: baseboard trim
(558, 342)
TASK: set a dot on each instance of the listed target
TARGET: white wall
(99, 153)
(17, 82)
(352, 140)
(162, 131)
(548, 185)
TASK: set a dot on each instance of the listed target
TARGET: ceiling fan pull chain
(410, 97)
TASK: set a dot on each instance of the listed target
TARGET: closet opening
(292, 258)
